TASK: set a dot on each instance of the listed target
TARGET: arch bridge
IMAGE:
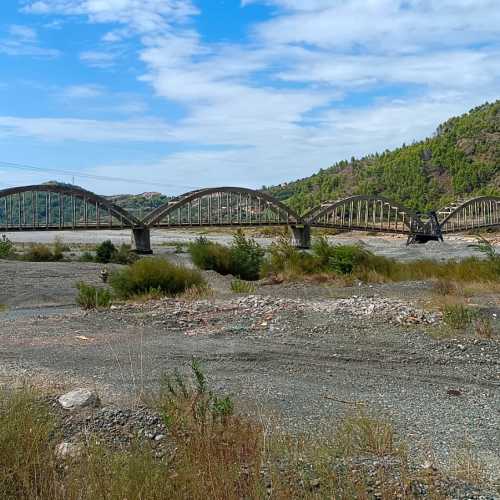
(55, 207)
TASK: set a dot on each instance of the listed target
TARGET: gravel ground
(300, 355)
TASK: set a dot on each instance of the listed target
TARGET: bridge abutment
(141, 240)
(301, 236)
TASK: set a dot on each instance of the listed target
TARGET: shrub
(340, 259)
(90, 297)
(243, 259)
(87, 257)
(285, 259)
(458, 316)
(42, 253)
(246, 257)
(105, 251)
(212, 256)
(6, 247)
(240, 286)
(154, 274)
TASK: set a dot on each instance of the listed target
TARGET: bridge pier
(301, 236)
(141, 240)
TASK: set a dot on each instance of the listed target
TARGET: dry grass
(213, 453)
(198, 293)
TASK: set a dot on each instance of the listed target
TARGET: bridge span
(54, 207)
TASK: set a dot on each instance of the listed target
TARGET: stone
(67, 450)
(79, 398)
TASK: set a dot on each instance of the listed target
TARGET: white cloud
(82, 91)
(141, 16)
(273, 101)
(98, 59)
(70, 129)
(23, 41)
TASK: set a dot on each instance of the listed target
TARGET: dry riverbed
(299, 355)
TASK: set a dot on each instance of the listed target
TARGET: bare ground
(294, 354)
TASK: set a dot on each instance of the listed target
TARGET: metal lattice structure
(56, 207)
(59, 207)
(222, 206)
(365, 213)
(471, 214)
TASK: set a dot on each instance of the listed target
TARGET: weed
(458, 316)
(90, 297)
(483, 328)
(445, 287)
(154, 275)
(197, 293)
(6, 247)
(240, 286)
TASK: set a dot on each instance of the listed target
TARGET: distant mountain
(462, 159)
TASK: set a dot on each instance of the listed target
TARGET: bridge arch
(56, 206)
(222, 206)
(365, 213)
(480, 212)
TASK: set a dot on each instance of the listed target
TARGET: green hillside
(462, 159)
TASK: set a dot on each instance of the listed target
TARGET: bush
(6, 247)
(243, 259)
(105, 251)
(211, 256)
(42, 253)
(154, 274)
(246, 257)
(90, 297)
(340, 259)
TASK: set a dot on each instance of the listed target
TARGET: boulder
(79, 398)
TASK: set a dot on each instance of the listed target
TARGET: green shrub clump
(90, 297)
(107, 252)
(154, 275)
(6, 247)
(243, 258)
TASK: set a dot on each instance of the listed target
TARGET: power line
(73, 174)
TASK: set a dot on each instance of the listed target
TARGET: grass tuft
(90, 297)
(240, 286)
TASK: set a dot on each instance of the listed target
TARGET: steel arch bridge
(54, 207)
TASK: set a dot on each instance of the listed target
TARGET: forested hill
(462, 159)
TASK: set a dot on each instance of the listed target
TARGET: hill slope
(461, 160)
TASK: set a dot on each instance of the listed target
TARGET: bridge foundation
(141, 240)
(301, 236)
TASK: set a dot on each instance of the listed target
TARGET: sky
(127, 96)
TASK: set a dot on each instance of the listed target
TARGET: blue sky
(177, 94)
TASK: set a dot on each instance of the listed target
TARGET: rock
(67, 450)
(79, 398)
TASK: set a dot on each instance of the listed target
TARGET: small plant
(362, 434)
(458, 316)
(105, 252)
(6, 247)
(444, 287)
(483, 328)
(197, 293)
(154, 274)
(212, 256)
(240, 286)
(90, 297)
(87, 257)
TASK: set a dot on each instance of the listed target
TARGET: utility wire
(72, 173)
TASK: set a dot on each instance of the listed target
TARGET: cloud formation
(307, 88)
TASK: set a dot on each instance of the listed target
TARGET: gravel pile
(258, 312)
(116, 426)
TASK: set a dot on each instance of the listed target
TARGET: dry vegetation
(214, 453)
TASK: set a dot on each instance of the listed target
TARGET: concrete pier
(141, 240)
(301, 236)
